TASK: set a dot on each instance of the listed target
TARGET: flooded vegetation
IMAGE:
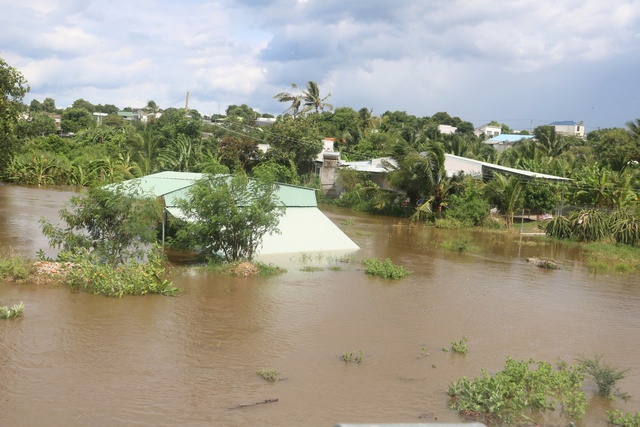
(318, 344)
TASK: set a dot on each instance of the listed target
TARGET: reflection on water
(80, 359)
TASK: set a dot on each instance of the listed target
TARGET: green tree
(313, 101)
(13, 88)
(416, 173)
(294, 140)
(76, 119)
(294, 98)
(114, 223)
(507, 194)
(229, 216)
(39, 124)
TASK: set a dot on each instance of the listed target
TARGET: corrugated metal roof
(174, 185)
(506, 137)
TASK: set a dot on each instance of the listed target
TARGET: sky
(524, 63)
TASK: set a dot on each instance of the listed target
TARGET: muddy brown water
(81, 359)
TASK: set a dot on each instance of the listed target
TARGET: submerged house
(303, 227)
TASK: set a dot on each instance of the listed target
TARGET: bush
(269, 374)
(589, 225)
(11, 312)
(559, 227)
(605, 375)
(625, 227)
(517, 390)
(385, 269)
(617, 418)
(13, 268)
(91, 275)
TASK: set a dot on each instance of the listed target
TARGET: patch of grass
(364, 234)
(460, 244)
(385, 269)
(352, 356)
(13, 267)
(268, 270)
(244, 269)
(311, 268)
(349, 221)
(451, 223)
(335, 268)
(604, 256)
(269, 374)
(11, 312)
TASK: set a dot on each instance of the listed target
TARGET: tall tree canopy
(13, 88)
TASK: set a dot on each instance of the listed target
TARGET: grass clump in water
(515, 392)
(244, 269)
(269, 374)
(11, 312)
(627, 419)
(352, 356)
(385, 269)
(459, 347)
(13, 267)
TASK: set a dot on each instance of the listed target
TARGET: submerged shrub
(385, 269)
(604, 375)
(269, 374)
(13, 268)
(618, 418)
(11, 312)
(132, 278)
(518, 390)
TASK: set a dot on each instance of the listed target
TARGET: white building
(488, 130)
(569, 127)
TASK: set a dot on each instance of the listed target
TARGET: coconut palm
(313, 100)
(507, 194)
(294, 98)
(634, 128)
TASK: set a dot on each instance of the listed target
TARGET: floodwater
(88, 360)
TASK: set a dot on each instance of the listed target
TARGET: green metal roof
(175, 185)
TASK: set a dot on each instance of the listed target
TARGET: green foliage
(604, 375)
(385, 269)
(559, 227)
(588, 225)
(618, 418)
(511, 394)
(13, 267)
(507, 194)
(269, 374)
(13, 88)
(352, 356)
(228, 216)
(469, 207)
(91, 275)
(114, 223)
(540, 196)
(11, 312)
(459, 347)
(294, 140)
(605, 256)
(625, 226)
(460, 244)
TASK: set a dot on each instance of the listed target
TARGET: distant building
(447, 130)
(569, 128)
(506, 140)
(488, 130)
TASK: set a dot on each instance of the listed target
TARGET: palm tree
(313, 100)
(153, 109)
(416, 173)
(634, 128)
(294, 98)
(507, 194)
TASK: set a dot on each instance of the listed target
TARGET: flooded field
(80, 359)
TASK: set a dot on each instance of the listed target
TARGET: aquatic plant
(515, 392)
(385, 269)
(352, 356)
(269, 374)
(11, 312)
(627, 419)
(604, 375)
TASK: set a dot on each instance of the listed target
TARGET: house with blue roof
(569, 128)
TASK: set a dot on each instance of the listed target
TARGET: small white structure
(569, 127)
(447, 130)
(303, 227)
(488, 130)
